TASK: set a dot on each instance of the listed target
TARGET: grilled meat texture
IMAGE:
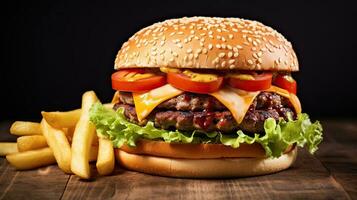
(188, 112)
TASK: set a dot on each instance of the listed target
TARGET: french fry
(57, 141)
(115, 97)
(21, 128)
(105, 160)
(93, 153)
(31, 142)
(62, 119)
(83, 138)
(31, 159)
(7, 148)
(66, 119)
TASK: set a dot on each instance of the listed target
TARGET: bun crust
(205, 168)
(208, 43)
(195, 151)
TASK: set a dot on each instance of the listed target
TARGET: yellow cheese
(292, 97)
(237, 101)
(146, 102)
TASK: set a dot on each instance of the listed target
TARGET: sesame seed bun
(205, 168)
(208, 43)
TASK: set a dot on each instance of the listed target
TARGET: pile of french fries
(66, 138)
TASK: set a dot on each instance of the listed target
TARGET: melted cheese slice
(294, 100)
(146, 102)
(237, 101)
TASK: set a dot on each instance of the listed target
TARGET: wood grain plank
(338, 153)
(307, 178)
(44, 183)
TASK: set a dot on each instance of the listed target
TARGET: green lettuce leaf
(278, 135)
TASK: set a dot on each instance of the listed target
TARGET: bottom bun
(205, 168)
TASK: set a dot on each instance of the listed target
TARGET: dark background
(54, 51)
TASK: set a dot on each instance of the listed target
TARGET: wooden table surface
(329, 174)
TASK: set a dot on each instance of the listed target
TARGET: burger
(206, 97)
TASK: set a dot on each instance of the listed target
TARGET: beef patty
(189, 111)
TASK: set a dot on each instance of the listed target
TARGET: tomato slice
(184, 82)
(286, 82)
(258, 82)
(136, 80)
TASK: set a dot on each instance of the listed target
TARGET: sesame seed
(230, 54)
(199, 51)
(221, 55)
(189, 50)
(239, 47)
(215, 61)
(254, 48)
(230, 36)
(210, 46)
(204, 51)
(179, 45)
(175, 54)
(250, 61)
(231, 61)
(190, 56)
(218, 46)
(255, 43)
(231, 66)
(223, 64)
(236, 54)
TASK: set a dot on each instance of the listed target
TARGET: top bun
(208, 43)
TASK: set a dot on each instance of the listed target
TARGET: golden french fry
(21, 128)
(7, 148)
(115, 98)
(93, 153)
(62, 119)
(66, 119)
(31, 159)
(105, 160)
(57, 141)
(83, 138)
(31, 142)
